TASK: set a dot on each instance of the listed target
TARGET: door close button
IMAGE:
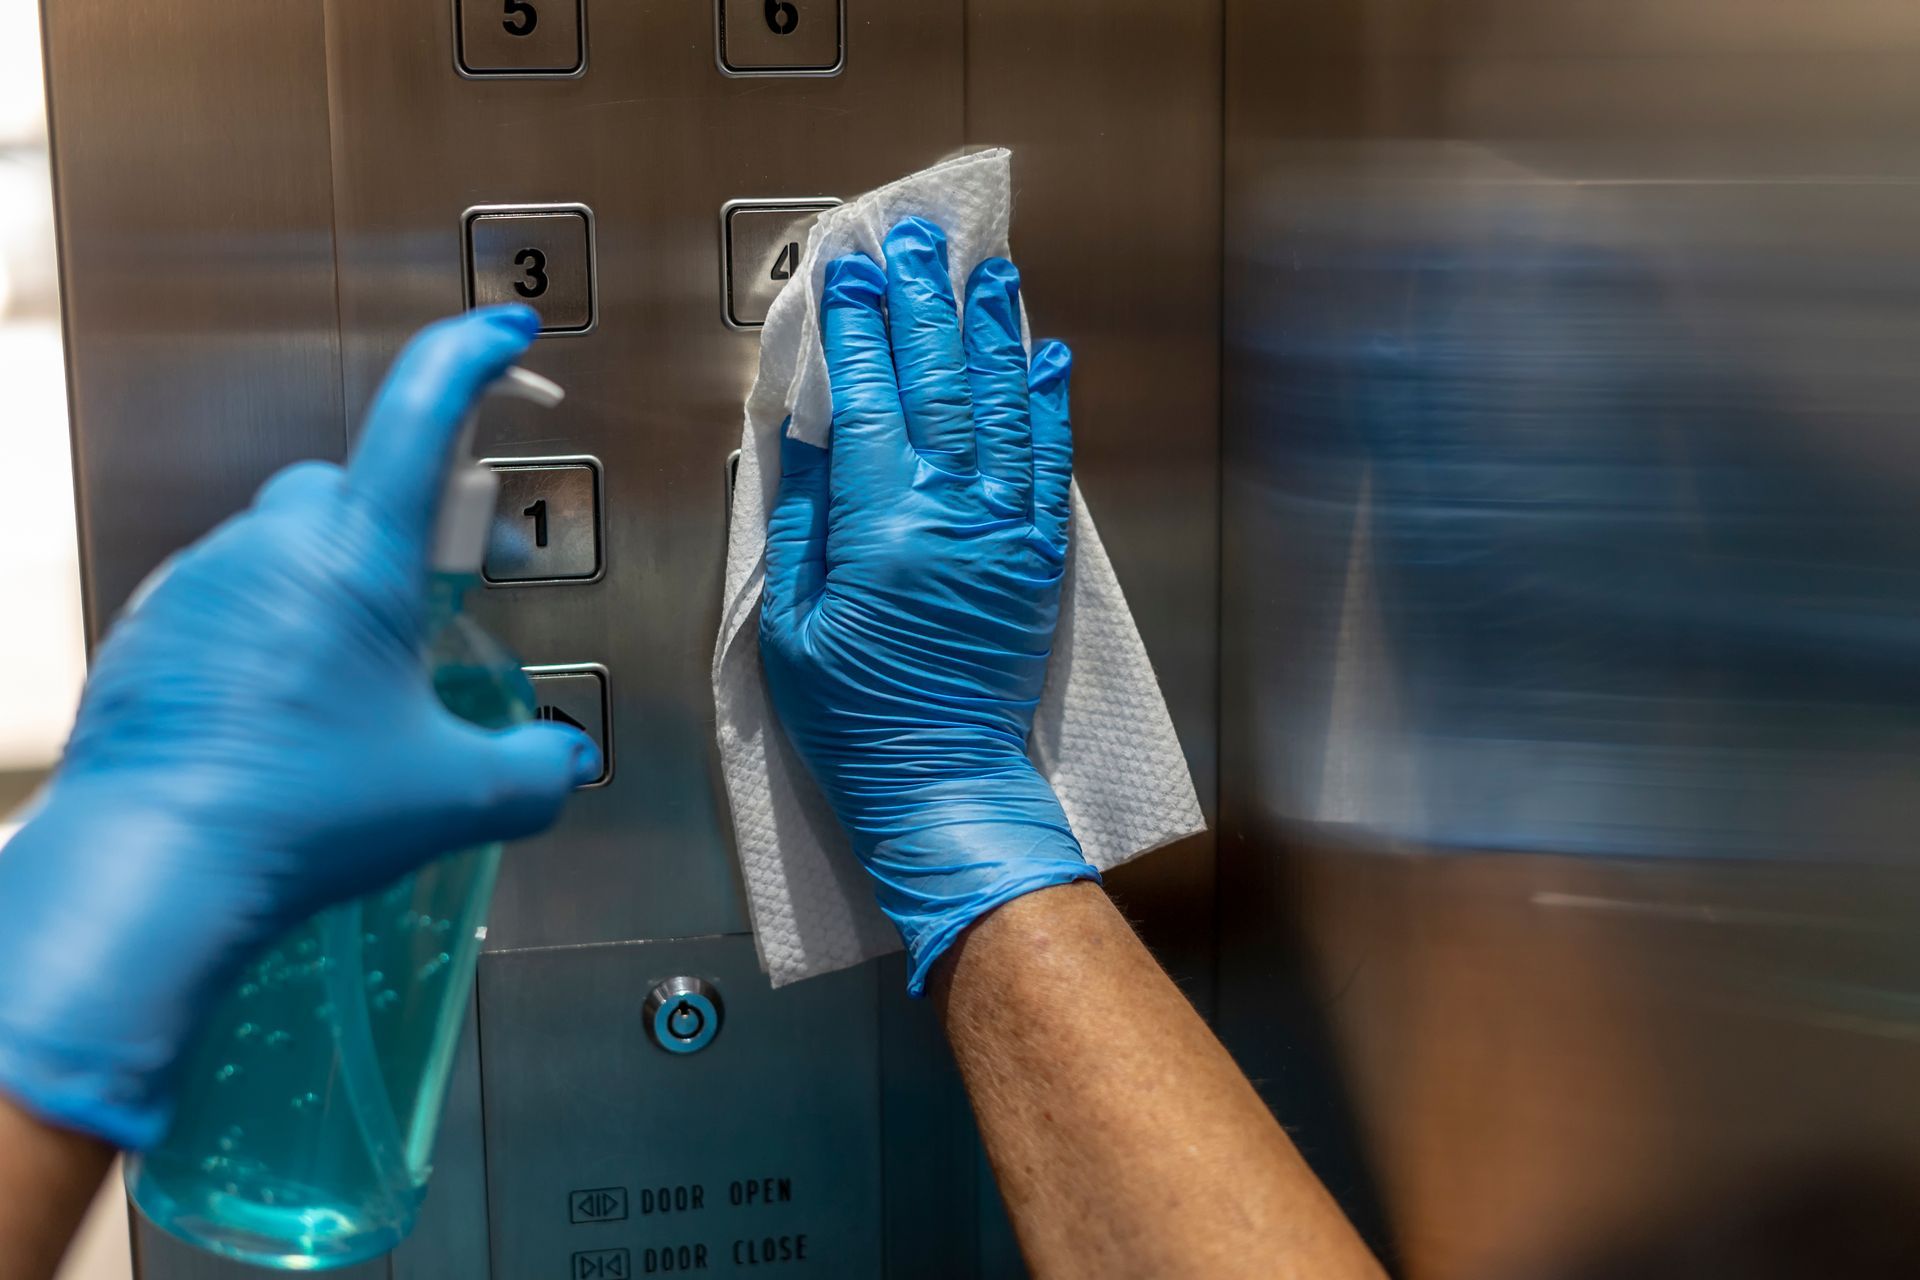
(761, 242)
(520, 37)
(780, 37)
(541, 256)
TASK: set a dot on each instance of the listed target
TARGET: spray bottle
(311, 1097)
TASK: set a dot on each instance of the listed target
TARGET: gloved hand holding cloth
(931, 697)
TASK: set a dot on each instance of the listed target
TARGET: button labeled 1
(761, 241)
(577, 696)
(780, 37)
(540, 255)
(519, 38)
(546, 521)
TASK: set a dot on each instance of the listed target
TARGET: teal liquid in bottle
(310, 1100)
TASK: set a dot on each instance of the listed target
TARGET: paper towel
(1101, 734)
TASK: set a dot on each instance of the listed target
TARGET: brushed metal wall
(1569, 716)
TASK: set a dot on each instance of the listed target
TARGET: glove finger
(997, 372)
(927, 355)
(872, 460)
(401, 460)
(1052, 444)
(512, 782)
(299, 485)
(796, 533)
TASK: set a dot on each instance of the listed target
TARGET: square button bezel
(577, 70)
(476, 212)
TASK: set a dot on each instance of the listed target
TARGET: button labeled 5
(541, 255)
(531, 38)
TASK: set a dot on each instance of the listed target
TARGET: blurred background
(42, 645)
(42, 659)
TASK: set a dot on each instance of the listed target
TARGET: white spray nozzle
(525, 384)
(467, 500)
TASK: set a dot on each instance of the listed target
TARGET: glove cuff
(68, 1086)
(954, 867)
(99, 971)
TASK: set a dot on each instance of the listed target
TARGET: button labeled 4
(761, 244)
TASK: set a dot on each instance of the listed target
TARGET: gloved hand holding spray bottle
(281, 1071)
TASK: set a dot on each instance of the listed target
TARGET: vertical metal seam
(333, 228)
(1220, 523)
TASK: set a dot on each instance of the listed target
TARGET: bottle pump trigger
(467, 500)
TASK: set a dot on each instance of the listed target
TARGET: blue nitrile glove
(913, 583)
(259, 739)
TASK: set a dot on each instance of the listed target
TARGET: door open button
(577, 697)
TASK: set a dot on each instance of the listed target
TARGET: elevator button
(683, 1014)
(780, 37)
(577, 695)
(546, 521)
(520, 37)
(761, 245)
(541, 256)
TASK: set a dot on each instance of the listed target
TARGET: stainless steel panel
(190, 150)
(1568, 723)
(762, 1148)
(761, 242)
(546, 523)
(781, 37)
(449, 1242)
(542, 259)
(654, 139)
(521, 37)
(1113, 112)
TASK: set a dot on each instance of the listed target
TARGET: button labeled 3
(525, 38)
(780, 37)
(577, 695)
(761, 242)
(540, 255)
(546, 521)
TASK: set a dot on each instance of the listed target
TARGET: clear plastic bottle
(305, 1132)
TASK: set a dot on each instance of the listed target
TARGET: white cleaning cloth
(1101, 735)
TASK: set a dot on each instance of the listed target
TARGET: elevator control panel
(673, 1133)
(520, 37)
(760, 246)
(546, 522)
(781, 37)
(577, 695)
(540, 255)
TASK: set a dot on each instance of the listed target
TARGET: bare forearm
(47, 1179)
(1125, 1140)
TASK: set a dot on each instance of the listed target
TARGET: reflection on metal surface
(1568, 511)
(1609, 518)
